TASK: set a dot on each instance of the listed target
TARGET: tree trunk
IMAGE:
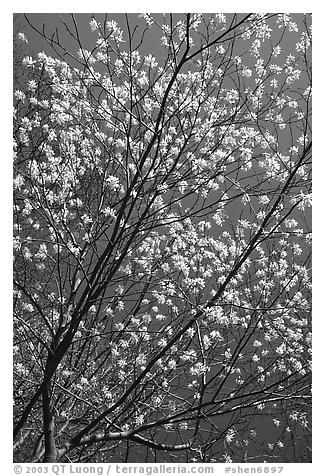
(50, 453)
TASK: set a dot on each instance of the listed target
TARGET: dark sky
(53, 22)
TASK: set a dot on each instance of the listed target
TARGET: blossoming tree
(162, 241)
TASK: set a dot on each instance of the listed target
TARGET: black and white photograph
(162, 239)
